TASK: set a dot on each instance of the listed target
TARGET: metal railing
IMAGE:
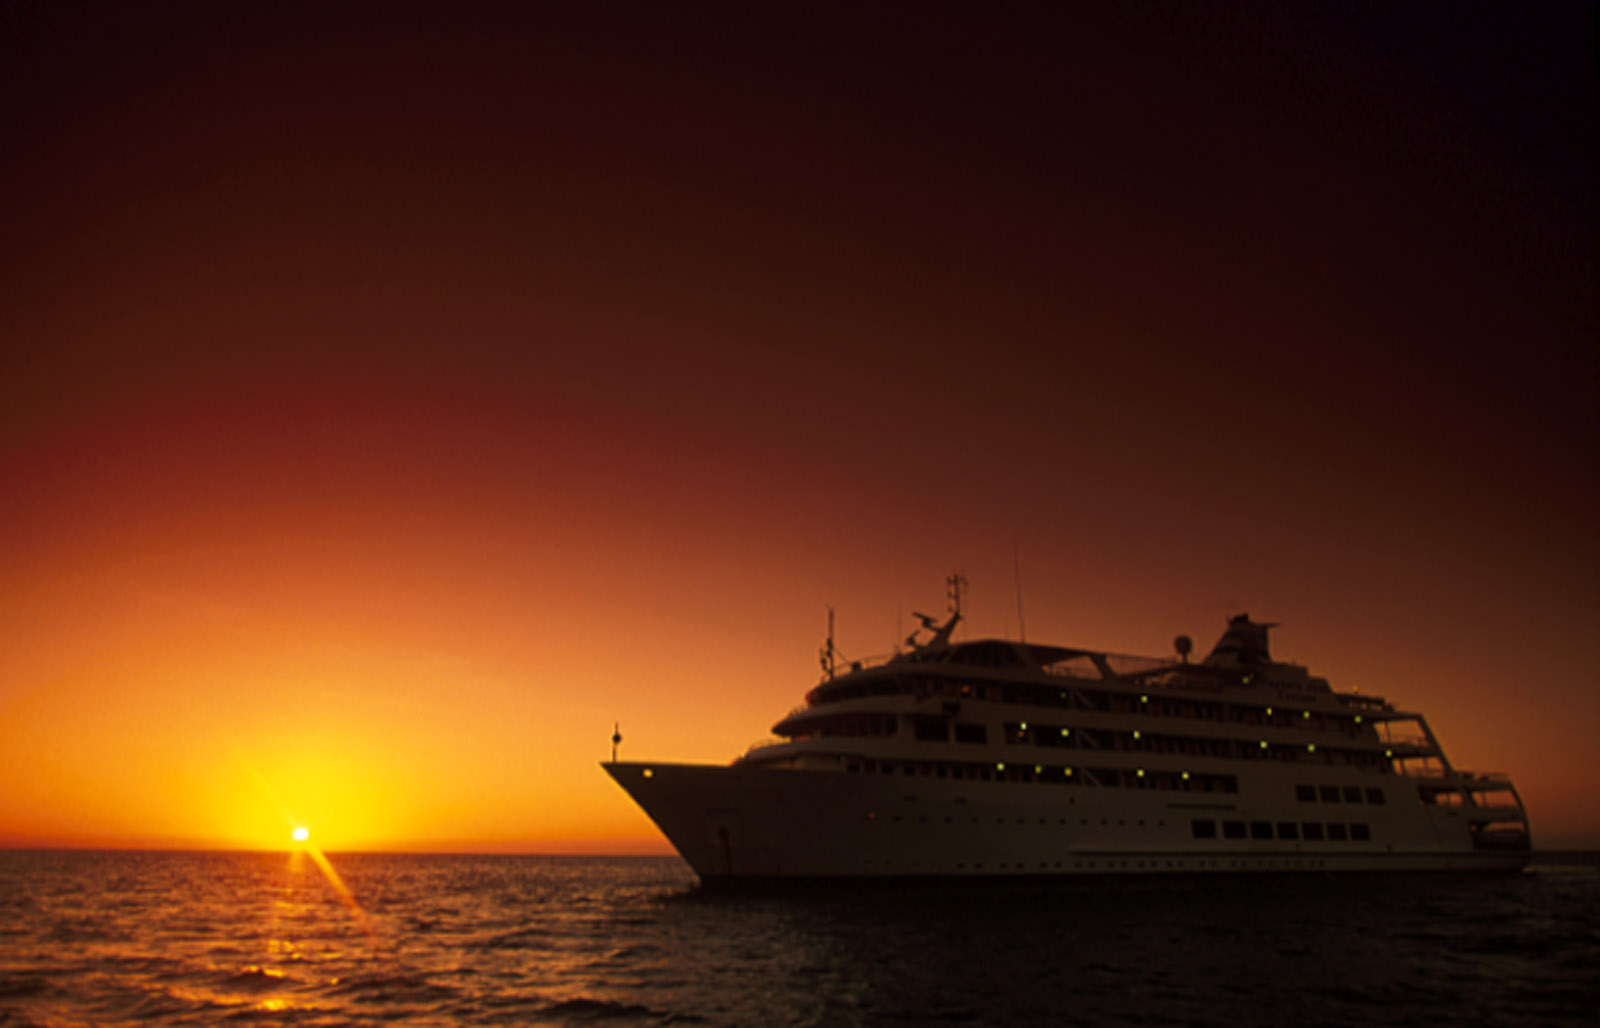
(1404, 738)
(764, 744)
(1496, 779)
(1508, 811)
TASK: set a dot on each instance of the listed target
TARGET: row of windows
(1311, 831)
(1334, 794)
(1079, 698)
(1058, 736)
(1043, 822)
(1130, 778)
(851, 726)
(928, 728)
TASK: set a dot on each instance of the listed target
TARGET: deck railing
(1363, 702)
(1498, 779)
(763, 744)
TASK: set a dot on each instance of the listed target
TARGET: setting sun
(301, 834)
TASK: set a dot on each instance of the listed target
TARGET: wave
(583, 1009)
(259, 979)
(520, 938)
(391, 987)
(22, 987)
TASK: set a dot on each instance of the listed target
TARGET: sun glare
(301, 834)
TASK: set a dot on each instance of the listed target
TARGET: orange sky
(387, 407)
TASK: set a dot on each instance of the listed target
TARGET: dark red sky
(732, 312)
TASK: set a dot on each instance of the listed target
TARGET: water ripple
(192, 939)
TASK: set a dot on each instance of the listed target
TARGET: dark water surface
(208, 938)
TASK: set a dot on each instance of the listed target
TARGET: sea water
(121, 938)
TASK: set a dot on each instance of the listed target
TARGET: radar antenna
(941, 633)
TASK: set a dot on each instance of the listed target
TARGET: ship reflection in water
(199, 939)
(1006, 758)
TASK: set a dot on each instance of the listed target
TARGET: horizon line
(91, 848)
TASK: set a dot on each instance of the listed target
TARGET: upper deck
(1031, 672)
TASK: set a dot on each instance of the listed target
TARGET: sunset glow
(390, 410)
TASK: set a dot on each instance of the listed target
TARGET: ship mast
(957, 583)
(941, 633)
(829, 654)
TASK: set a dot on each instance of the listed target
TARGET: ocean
(152, 939)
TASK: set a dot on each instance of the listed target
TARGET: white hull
(745, 821)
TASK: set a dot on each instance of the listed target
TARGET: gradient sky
(393, 397)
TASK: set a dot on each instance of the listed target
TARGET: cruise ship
(996, 757)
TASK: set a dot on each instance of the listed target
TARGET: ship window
(931, 729)
(1352, 794)
(1360, 833)
(1204, 829)
(1305, 793)
(1312, 830)
(1233, 829)
(1376, 796)
(1330, 794)
(1261, 829)
(1336, 832)
(1288, 830)
(972, 733)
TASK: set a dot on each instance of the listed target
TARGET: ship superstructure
(1001, 757)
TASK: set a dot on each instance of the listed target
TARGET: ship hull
(743, 822)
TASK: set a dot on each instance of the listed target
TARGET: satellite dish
(1184, 645)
